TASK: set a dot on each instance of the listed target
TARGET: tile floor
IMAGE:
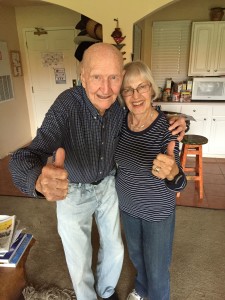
(214, 186)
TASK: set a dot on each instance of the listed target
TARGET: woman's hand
(164, 165)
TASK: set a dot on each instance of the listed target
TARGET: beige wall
(14, 118)
(127, 11)
(195, 10)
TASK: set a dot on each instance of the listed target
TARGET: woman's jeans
(150, 250)
(75, 216)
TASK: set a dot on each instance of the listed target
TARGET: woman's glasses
(142, 88)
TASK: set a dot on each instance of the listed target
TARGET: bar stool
(192, 144)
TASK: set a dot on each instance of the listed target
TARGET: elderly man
(81, 131)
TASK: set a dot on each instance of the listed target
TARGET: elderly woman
(148, 177)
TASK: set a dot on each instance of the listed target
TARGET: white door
(52, 65)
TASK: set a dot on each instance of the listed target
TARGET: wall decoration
(16, 63)
(6, 85)
(217, 13)
(51, 59)
(60, 75)
(117, 36)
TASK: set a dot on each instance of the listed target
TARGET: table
(14, 280)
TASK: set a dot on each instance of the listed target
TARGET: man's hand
(164, 166)
(178, 126)
(53, 180)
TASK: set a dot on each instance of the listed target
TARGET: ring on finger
(157, 169)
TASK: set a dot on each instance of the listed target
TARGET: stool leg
(197, 169)
(183, 158)
(200, 173)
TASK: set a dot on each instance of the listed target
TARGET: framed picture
(16, 63)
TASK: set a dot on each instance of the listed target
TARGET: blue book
(9, 255)
(19, 252)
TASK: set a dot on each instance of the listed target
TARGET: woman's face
(139, 102)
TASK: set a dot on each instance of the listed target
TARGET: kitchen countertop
(216, 103)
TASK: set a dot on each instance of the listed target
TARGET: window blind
(170, 50)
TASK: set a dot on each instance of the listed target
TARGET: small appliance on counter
(176, 92)
(208, 89)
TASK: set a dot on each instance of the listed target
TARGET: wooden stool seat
(192, 144)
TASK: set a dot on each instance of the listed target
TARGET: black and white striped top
(89, 141)
(141, 194)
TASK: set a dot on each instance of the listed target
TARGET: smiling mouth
(137, 103)
(104, 97)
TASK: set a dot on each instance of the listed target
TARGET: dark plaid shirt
(74, 124)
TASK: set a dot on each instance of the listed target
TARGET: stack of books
(13, 241)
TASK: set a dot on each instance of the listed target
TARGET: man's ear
(82, 79)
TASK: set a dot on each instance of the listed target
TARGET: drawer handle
(208, 70)
(215, 70)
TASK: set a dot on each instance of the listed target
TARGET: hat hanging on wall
(81, 48)
(91, 33)
(82, 23)
(94, 29)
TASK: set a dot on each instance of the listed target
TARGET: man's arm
(26, 164)
(178, 125)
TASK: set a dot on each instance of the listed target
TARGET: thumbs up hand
(60, 158)
(164, 165)
(170, 149)
(53, 180)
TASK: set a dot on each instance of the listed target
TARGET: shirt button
(101, 158)
(102, 143)
(103, 126)
(100, 172)
(95, 118)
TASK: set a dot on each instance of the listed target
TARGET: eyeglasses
(143, 88)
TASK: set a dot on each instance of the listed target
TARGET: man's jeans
(75, 215)
(150, 250)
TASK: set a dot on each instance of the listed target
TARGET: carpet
(197, 270)
(48, 293)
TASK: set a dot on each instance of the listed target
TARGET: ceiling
(15, 3)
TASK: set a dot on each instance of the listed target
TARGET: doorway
(52, 66)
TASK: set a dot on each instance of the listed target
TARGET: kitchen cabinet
(172, 107)
(209, 122)
(207, 51)
(202, 123)
(217, 141)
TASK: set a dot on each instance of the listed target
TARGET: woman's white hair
(139, 68)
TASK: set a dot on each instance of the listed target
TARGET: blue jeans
(150, 250)
(75, 216)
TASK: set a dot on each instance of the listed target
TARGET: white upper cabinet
(207, 51)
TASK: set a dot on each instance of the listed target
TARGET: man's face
(102, 79)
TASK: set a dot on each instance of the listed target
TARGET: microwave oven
(208, 89)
